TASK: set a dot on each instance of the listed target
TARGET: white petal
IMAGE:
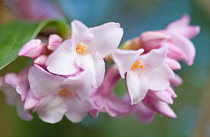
(78, 109)
(80, 85)
(138, 84)
(106, 38)
(51, 109)
(155, 57)
(124, 59)
(80, 33)
(160, 77)
(62, 60)
(43, 83)
(95, 65)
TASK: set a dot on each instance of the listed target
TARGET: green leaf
(14, 35)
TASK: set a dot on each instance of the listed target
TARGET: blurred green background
(135, 17)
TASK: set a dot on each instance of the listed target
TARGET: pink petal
(138, 85)
(124, 59)
(159, 77)
(11, 95)
(153, 39)
(51, 109)
(175, 52)
(110, 80)
(31, 49)
(172, 63)
(80, 85)
(106, 38)
(176, 81)
(186, 46)
(155, 57)
(160, 107)
(43, 83)
(22, 113)
(41, 60)
(182, 27)
(19, 82)
(80, 33)
(54, 42)
(162, 95)
(106, 101)
(95, 65)
(171, 92)
(143, 113)
(114, 106)
(78, 109)
(62, 60)
(30, 101)
(153, 35)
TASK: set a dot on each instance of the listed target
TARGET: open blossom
(68, 77)
(60, 96)
(177, 36)
(86, 50)
(143, 72)
(106, 101)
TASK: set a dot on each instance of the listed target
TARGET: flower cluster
(69, 77)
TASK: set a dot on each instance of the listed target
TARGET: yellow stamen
(137, 65)
(80, 49)
(65, 92)
(141, 66)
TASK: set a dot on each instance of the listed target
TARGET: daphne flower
(155, 102)
(143, 72)
(60, 96)
(86, 49)
(106, 101)
(159, 106)
(177, 35)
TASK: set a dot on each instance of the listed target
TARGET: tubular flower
(68, 77)
(86, 50)
(155, 102)
(143, 72)
(177, 36)
(105, 99)
(60, 96)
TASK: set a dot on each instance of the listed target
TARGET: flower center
(80, 49)
(137, 64)
(65, 92)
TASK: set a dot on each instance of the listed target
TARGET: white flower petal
(106, 38)
(138, 84)
(95, 65)
(160, 77)
(124, 59)
(51, 109)
(43, 83)
(62, 60)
